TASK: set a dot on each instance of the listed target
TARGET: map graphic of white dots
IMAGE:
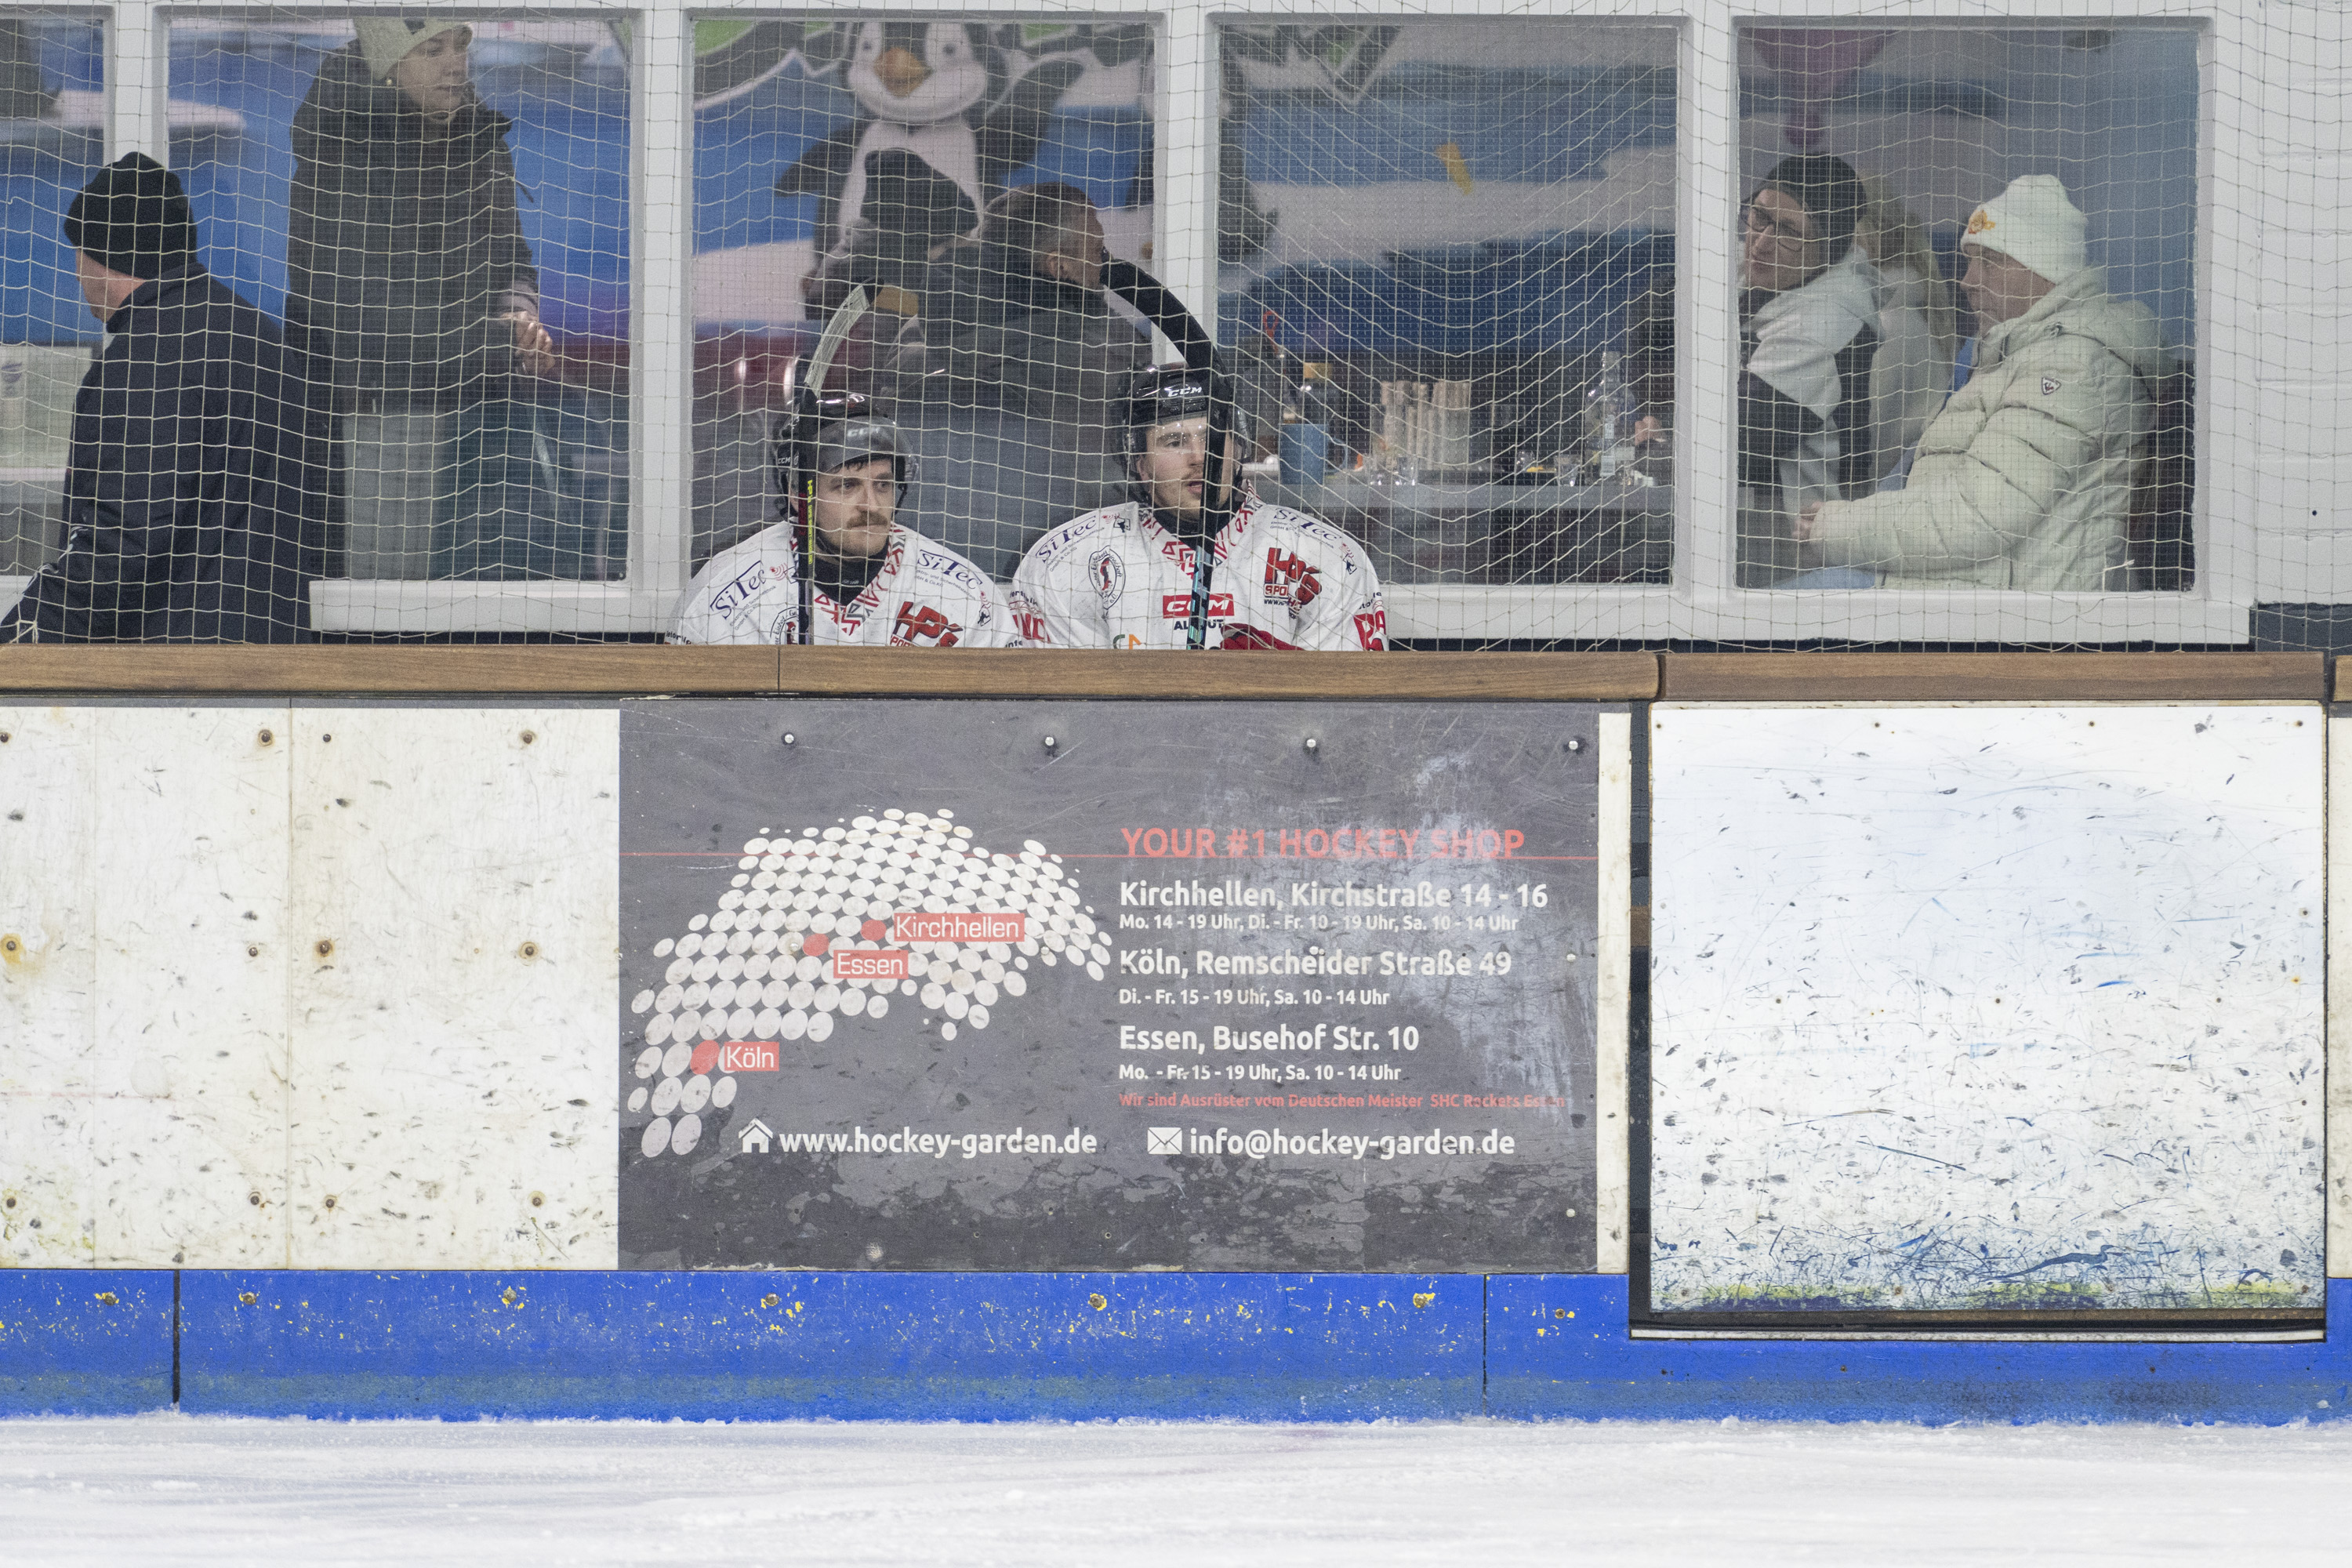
(761, 965)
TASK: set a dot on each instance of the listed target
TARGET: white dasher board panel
(1986, 1008)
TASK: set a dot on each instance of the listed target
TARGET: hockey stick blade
(837, 333)
(846, 317)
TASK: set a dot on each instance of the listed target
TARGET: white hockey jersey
(925, 596)
(1281, 579)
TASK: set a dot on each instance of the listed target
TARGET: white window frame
(2241, 52)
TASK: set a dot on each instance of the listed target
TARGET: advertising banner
(1044, 985)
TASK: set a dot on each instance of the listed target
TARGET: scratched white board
(49, 986)
(453, 903)
(1986, 1008)
(307, 987)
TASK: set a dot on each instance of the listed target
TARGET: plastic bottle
(1610, 415)
(1307, 430)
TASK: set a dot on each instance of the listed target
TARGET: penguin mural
(942, 123)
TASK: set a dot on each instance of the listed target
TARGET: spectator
(841, 562)
(1009, 375)
(1918, 333)
(411, 292)
(2024, 480)
(1122, 577)
(1809, 332)
(187, 464)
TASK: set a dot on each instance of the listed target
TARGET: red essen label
(869, 964)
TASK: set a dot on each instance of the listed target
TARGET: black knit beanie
(133, 218)
(1828, 189)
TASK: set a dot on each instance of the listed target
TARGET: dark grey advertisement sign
(1044, 985)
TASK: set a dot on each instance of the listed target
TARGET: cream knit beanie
(386, 41)
(2032, 222)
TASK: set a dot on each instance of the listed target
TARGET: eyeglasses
(1762, 224)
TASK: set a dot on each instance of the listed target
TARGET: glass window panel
(440, 212)
(1447, 253)
(905, 155)
(52, 140)
(2102, 126)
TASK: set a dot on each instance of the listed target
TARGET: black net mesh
(1528, 332)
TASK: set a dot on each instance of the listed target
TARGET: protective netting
(439, 211)
(1967, 324)
(1530, 331)
(52, 139)
(971, 175)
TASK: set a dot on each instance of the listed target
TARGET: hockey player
(1122, 577)
(841, 562)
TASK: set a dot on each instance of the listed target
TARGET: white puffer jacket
(2024, 480)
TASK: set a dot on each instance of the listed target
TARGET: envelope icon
(1163, 1140)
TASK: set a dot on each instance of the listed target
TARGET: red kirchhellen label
(957, 925)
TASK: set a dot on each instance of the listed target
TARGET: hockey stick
(1153, 302)
(804, 431)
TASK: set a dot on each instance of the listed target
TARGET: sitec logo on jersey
(1179, 606)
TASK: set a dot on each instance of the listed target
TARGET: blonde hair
(1897, 243)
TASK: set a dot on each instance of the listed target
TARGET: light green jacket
(2024, 480)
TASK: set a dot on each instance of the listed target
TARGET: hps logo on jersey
(1104, 571)
(1177, 606)
(1290, 580)
(923, 627)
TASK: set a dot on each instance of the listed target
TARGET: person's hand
(1805, 523)
(1647, 429)
(534, 343)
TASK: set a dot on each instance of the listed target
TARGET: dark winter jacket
(997, 334)
(402, 249)
(183, 482)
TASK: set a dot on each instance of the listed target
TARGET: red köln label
(747, 1056)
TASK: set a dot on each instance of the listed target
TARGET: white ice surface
(172, 1490)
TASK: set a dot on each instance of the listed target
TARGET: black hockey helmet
(830, 430)
(1168, 392)
(1163, 393)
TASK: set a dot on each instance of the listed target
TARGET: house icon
(755, 1137)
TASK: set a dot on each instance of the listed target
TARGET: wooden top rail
(1993, 676)
(620, 670)
(614, 669)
